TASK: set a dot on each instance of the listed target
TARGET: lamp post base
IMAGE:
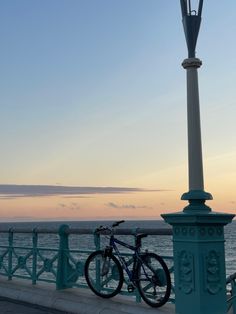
(199, 260)
(197, 200)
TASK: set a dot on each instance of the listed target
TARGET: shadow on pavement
(8, 306)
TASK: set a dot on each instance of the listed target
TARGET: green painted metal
(34, 262)
(234, 297)
(10, 250)
(60, 265)
(66, 273)
(231, 292)
(62, 258)
(66, 266)
(97, 240)
(196, 195)
(199, 260)
(98, 265)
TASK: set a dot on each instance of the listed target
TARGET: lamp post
(191, 24)
(198, 232)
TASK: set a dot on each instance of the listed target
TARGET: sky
(93, 108)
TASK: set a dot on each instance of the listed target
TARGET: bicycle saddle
(139, 236)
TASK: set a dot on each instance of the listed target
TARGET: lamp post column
(198, 233)
(194, 128)
(196, 194)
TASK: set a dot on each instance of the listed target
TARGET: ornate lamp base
(199, 260)
(197, 200)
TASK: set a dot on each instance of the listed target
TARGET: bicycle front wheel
(104, 274)
(154, 283)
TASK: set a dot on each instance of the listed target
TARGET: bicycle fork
(107, 262)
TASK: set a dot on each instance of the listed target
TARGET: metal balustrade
(231, 291)
(26, 254)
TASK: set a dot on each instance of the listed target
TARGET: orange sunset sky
(93, 109)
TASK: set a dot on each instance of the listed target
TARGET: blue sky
(93, 94)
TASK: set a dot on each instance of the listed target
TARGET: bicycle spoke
(106, 281)
(147, 287)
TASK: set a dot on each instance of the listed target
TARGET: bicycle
(150, 275)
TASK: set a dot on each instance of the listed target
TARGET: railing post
(137, 294)
(97, 243)
(234, 294)
(66, 274)
(97, 240)
(61, 279)
(34, 255)
(10, 250)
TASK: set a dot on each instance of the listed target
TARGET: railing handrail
(231, 278)
(120, 231)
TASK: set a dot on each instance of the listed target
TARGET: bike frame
(136, 257)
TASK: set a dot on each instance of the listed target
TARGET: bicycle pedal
(130, 288)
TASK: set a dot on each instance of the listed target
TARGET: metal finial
(191, 23)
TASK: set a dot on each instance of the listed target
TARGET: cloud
(62, 205)
(13, 191)
(71, 206)
(125, 206)
(110, 204)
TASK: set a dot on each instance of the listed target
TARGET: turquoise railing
(55, 256)
(231, 291)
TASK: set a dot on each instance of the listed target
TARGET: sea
(161, 245)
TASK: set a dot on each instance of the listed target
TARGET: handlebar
(105, 228)
(117, 223)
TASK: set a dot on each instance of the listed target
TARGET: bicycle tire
(94, 274)
(153, 270)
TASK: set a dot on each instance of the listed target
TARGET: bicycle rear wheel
(104, 274)
(154, 283)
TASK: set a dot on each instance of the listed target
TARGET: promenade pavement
(44, 298)
(8, 306)
(20, 297)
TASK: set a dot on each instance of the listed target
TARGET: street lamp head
(188, 9)
(191, 22)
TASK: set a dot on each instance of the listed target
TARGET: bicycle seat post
(138, 239)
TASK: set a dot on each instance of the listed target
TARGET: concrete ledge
(74, 301)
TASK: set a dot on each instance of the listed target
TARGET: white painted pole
(195, 165)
